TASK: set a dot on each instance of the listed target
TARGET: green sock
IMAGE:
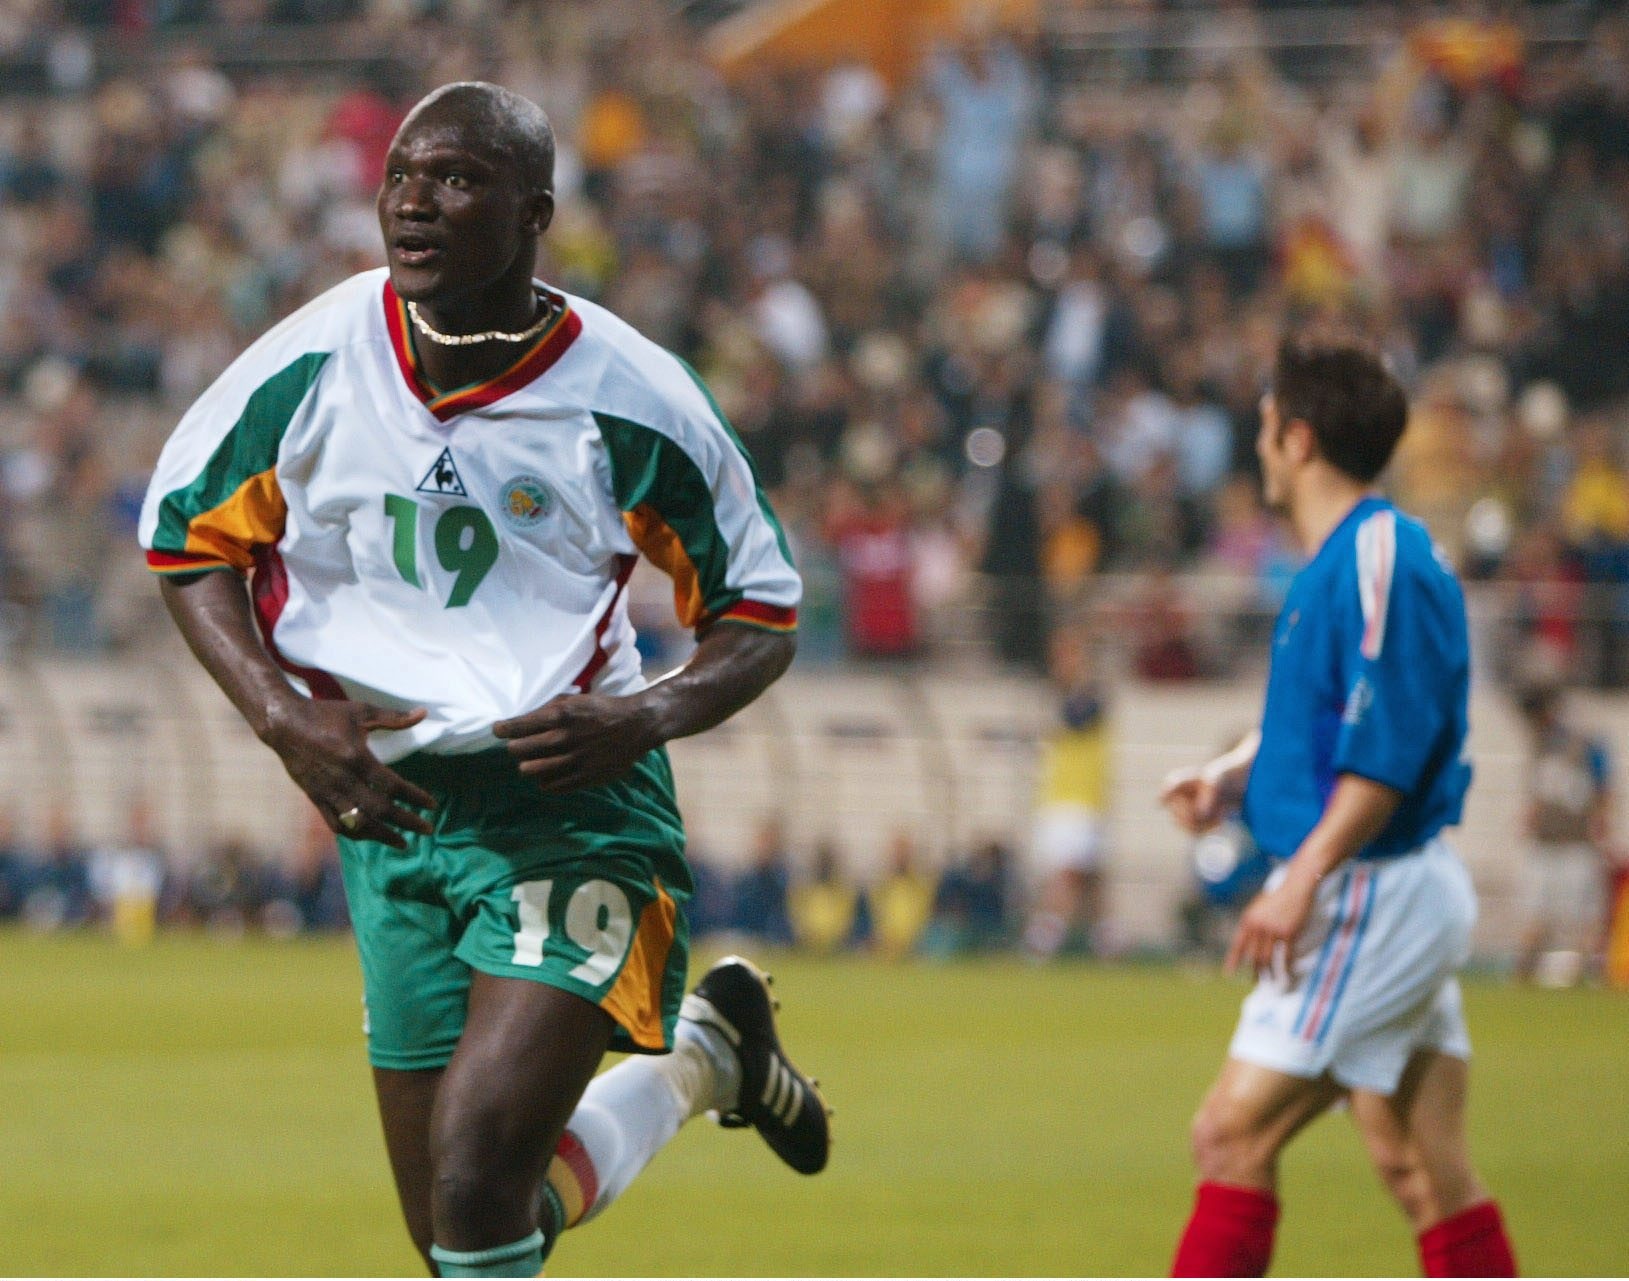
(523, 1258)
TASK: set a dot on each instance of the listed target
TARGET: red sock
(1229, 1235)
(1470, 1244)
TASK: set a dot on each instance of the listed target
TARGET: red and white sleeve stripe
(1376, 561)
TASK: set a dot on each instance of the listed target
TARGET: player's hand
(1270, 925)
(324, 747)
(1195, 799)
(580, 740)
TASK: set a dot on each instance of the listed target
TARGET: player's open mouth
(415, 251)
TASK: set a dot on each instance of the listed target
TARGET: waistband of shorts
(1431, 845)
(450, 769)
(432, 768)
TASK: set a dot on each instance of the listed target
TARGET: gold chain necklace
(491, 335)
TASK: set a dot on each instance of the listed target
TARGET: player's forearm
(1358, 811)
(731, 667)
(212, 613)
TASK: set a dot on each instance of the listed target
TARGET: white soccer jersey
(464, 551)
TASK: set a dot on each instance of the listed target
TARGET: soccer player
(1068, 834)
(437, 478)
(1357, 767)
(1565, 878)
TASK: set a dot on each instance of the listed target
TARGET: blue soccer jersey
(1370, 675)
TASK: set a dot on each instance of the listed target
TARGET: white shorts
(1372, 979)
(1068, 838)
(1563, 894)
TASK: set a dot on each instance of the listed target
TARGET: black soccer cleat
(777, 1100)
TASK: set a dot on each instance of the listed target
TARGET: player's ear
(538, 213)
(1300, 441)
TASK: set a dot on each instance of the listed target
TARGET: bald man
(397, 532)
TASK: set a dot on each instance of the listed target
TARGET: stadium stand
(865, 765)
(987, 730)
(979, 417)
(851, 758)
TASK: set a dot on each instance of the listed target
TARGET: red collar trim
(548, 348)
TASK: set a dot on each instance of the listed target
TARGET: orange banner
(890, 36)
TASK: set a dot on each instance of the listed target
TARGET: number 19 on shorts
(598, 919)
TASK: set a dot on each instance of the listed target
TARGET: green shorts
(584, 892)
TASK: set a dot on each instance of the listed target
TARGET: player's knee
(1225, 1147)
(477, 1201)
(1397, 1173)
(1405, 1178)
(482, 1176)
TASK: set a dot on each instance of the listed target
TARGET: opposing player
(1357, 768)
(437, 478)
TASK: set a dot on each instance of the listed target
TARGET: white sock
(627, 1115)
(717, 1084)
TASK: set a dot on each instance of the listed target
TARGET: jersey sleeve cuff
(765, 617)
(185, 563)
(1397, 780)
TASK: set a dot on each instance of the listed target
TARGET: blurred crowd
(995, 334)
(813, 901)
(134, 885)
(1054, 882)
(1037, 886)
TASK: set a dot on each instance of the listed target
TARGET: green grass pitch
(199, 1107)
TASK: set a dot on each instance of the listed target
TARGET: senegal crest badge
(524, 501)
